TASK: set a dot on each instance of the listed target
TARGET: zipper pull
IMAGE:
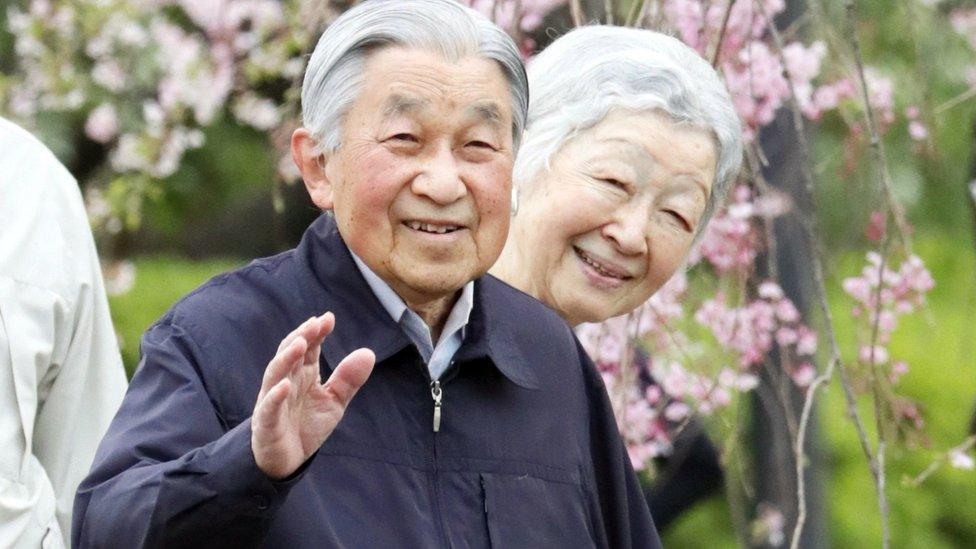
(436, 394)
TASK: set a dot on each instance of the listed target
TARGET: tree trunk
(777, 402)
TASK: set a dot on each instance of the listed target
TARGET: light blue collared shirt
(438, 357)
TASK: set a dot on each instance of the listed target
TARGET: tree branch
(835, 362)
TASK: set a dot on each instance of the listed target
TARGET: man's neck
(433, 312)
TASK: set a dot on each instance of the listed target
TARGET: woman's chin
(579, 313)
(587, 306)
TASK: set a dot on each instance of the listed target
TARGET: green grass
(938, 343)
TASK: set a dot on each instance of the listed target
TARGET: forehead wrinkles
(656, 152)
(413, 88)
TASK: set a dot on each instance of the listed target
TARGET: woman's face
(615, 216)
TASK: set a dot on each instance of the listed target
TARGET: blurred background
(167, 220)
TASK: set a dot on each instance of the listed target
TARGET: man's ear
(312, 166)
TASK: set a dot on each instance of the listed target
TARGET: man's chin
(434, 281)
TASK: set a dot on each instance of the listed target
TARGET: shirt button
(261, 502)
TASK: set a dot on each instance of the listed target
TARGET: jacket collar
(361, 320)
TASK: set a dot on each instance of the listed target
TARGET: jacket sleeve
(27, 338)
(170, 472)
(625, 519)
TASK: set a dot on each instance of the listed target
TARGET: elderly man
(482, 423)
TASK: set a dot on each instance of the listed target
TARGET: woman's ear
(312, 166)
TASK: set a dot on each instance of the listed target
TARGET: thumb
(350, 375)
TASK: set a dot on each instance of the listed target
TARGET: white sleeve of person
(61, 376)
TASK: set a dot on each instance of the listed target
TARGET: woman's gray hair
(592, 70)
(335, 71)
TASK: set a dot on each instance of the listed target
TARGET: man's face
(421, 183)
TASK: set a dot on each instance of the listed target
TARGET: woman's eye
(679, 219)
(615, 182)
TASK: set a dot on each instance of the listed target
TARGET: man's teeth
(596, 266)
(429, 228)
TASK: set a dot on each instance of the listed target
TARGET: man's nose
(630, 230)
(440, 178)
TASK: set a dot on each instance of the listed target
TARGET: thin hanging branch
(966, 446)
(809, 223)
(637, 10)
(721, 33)
(877, 147)
(576, 11)
(878, 400)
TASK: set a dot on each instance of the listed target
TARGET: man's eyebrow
(398, 104)
(488, 112)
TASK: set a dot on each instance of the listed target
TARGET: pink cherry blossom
(731, 240)
(102, 124)
(803, 375)
(917, 130)
(876, 227)
(898, 369)
(502, 12)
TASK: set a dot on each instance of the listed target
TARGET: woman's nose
(629, 231)
(440, 179)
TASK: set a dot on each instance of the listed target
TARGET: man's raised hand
(295, 412)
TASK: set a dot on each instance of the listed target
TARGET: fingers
(309, 336)
(349, 376)
(315, 333)
(310, 329)
(282, 365)
(269, 409)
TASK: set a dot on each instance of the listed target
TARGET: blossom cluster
(761, 78)
(882, 295)
(750, 331)
(652, 394)
(150, 75)
(731, 240)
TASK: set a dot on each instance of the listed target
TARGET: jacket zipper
(436, 393)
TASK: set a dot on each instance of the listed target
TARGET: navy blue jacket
(527, 454)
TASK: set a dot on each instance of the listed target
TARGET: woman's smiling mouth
(600, 273)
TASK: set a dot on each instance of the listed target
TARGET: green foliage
(916, 47)
(235, 163)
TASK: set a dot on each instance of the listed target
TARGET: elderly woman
(631, 143)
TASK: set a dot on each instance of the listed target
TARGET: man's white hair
(592, 70)
(335, 71)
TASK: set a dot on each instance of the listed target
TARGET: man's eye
(480, 145)
(405, 137)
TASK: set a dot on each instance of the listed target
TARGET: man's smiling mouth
(432, 228)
